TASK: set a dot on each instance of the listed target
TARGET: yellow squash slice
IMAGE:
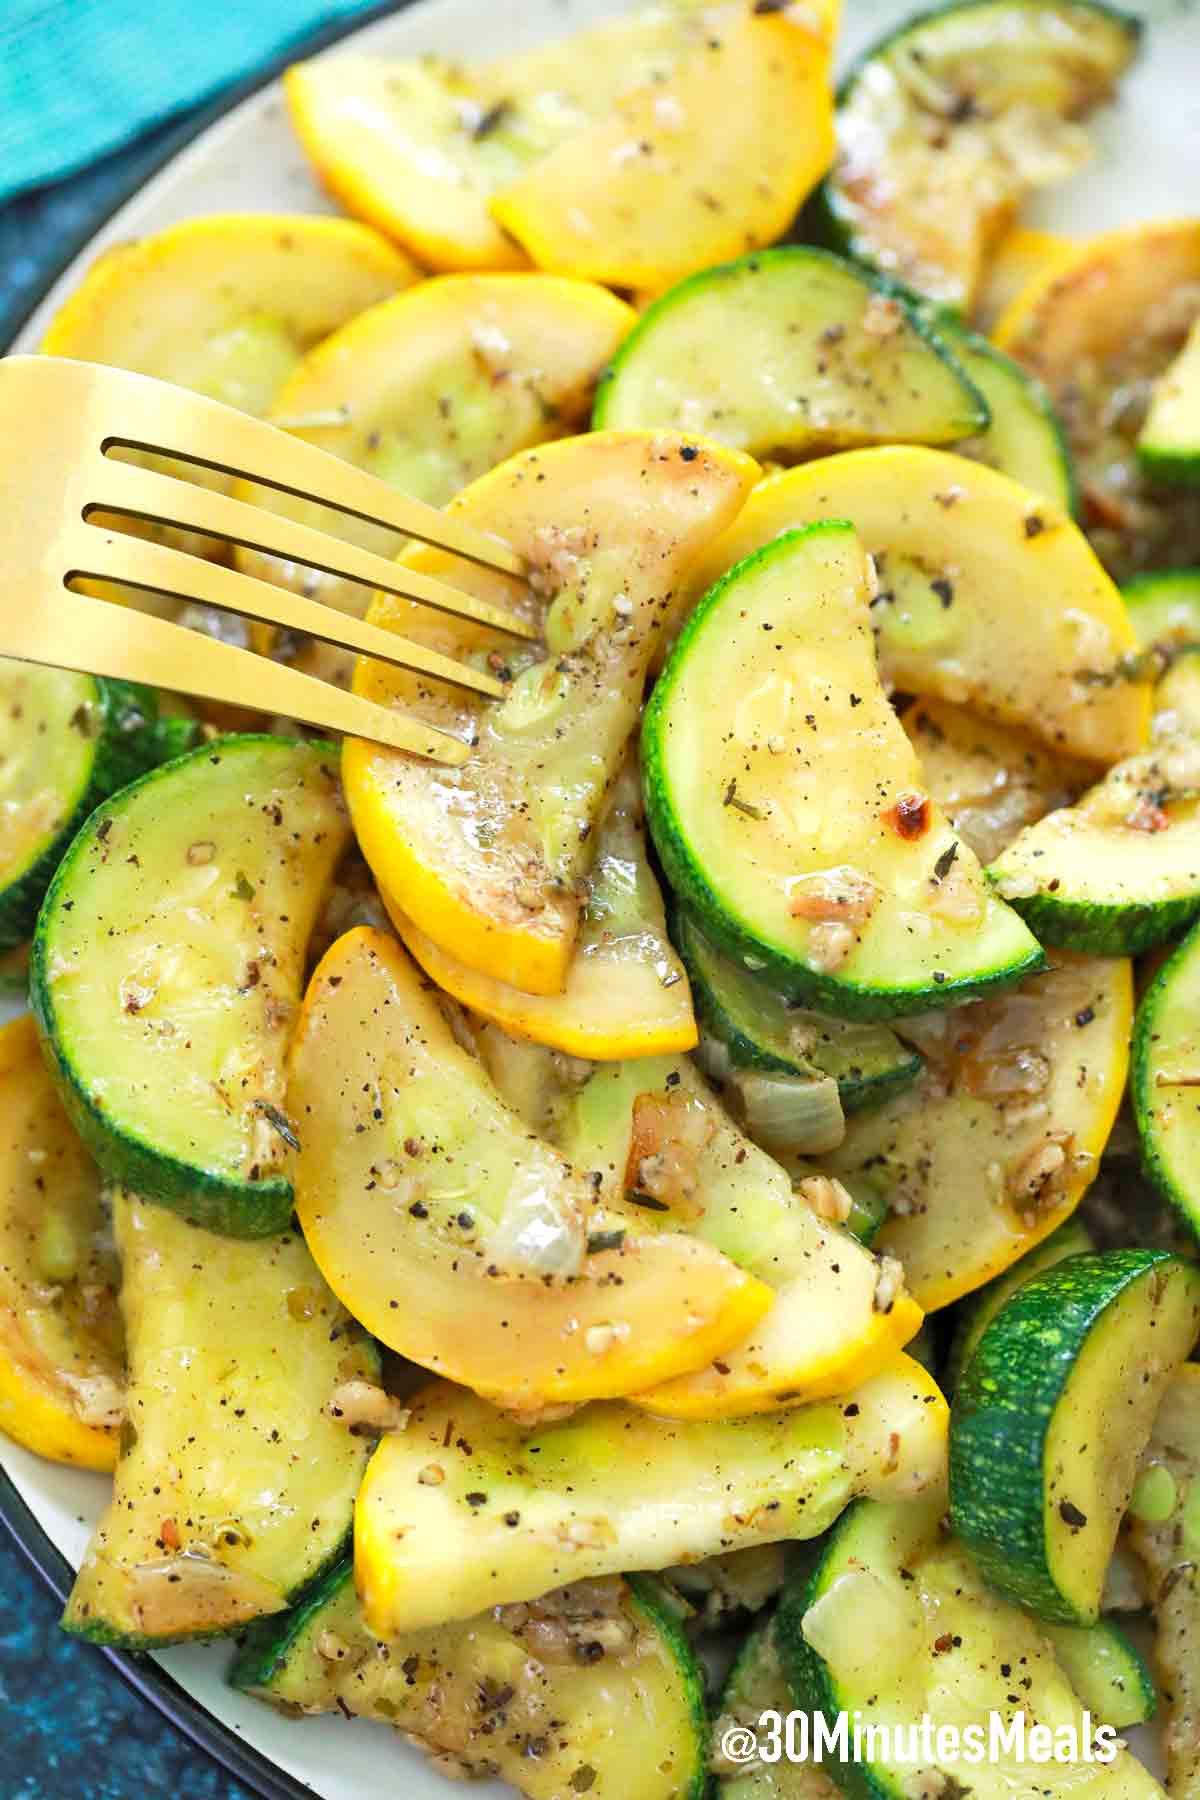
(1022, 255)
(457, 1236)
(684, 173)
(989, 780)
(462, 1511)
(627, 993)
(418, 147)
(431, 389)
(666, 1154)
(1108, 320)
(995, 1145)
(988, 596)
(485, 860)
(62, 1362)
(226, 304)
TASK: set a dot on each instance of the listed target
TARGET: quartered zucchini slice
(675, 179)
(458, 1237)
(1169, 444)
(1054, 1408)
(626, 993)
(1119, 871)
(826, 358)
(997, 1142)
(1164, 610)
(988, 779)
(894, 1624)
(663, 1153)
(759, 1029)
(1164, 1530)
(988, 597)
(466, 1509)
(167, 966)
(1107, 1672)
(976, 1313)
(607, 1662)
(62, 1359)
(1024, 437)
(67, 742)
(431, 389)
(226, 304)
(866, 910)
(757, 1684)
(947, 123)
(236, 1481)
(485, 859)
(1106, 321)
(1165, 1079)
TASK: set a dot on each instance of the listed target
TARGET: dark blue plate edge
(146, 1678)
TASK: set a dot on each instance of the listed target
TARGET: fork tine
(173, 421)
(74, 631)
(139, 563)
(149, 494)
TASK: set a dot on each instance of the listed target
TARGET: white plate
(1149, 166)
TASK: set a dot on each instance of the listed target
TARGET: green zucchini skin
(808, 1675)
(269, 1642)
(975, 1313)
(1164, 609)
(827, 218)
(1018, 1374)
(1173, 1168)
(280, 1663)
(1099, 888)
(110, 1637)
(1107, 1671)
(1025, 437)
(694, 889)
(869, 1063)
(231, 1207)
(808, 267)
(128, 738)
(1098, 930)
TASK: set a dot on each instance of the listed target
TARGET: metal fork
(61, 419)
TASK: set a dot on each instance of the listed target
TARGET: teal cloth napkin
(79, 78)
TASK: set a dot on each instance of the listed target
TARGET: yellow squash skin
(627, 992)
(960, 1155)
(62, 1364)
(485, 860)
(680, 175)
(432, 388)
(1024, 625)
(226, 304)
(411, 1175)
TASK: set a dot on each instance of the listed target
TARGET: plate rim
(143, 1676)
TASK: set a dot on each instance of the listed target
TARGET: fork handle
(101, 637)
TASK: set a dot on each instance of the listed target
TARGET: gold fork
(61, 419)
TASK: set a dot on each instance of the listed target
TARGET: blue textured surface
(72, 1729)
(80, 78)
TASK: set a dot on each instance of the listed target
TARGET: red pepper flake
(909, 817)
